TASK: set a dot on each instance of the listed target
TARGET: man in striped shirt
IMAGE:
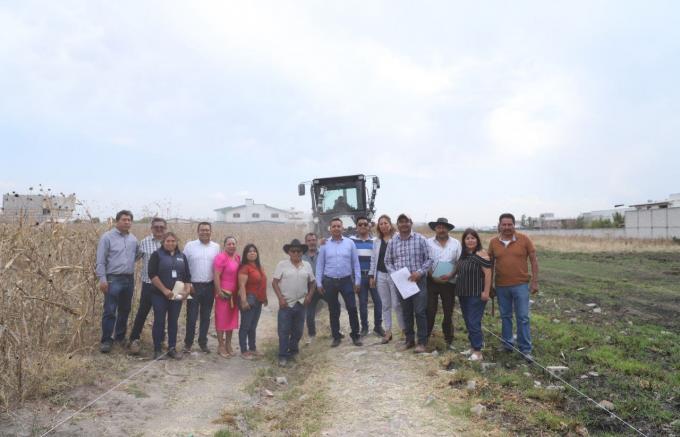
(364, 244)
(147, 246)
(410, 250)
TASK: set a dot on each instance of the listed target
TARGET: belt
(336, 279)
(119, 275)
(202, 283)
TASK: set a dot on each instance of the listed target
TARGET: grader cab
(346, 197)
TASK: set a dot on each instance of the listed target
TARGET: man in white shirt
(443, 249)
(200, 254)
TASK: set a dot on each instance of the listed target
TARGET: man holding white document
(444, 251)
(409, 251)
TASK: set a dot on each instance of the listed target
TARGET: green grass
(634, 346)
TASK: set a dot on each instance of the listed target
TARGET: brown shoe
(420, 349)
(387, 337)
(135, 347)
(406, 346)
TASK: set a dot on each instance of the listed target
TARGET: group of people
(235, 286)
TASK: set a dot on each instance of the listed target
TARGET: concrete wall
(653, 223)
(37, 207)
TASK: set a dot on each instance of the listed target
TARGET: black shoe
(336, 342)
(204, 348)
(159, 355)
(364, 332)
(357, 342)
(172, 353)
(105, 347)
(379, 332)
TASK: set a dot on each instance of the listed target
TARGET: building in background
(655, 219)
(252, 212)
(37, 208)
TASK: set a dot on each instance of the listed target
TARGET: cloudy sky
(463, 111)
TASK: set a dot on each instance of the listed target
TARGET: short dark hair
(158, 219)
(310, 234)
(507, 215)
(335, 219)
(470, 231)
(203, 224)
(361, 217)
(123, 212)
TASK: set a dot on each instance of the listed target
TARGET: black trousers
(447, 293)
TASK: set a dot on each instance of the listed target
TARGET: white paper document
(406, 288)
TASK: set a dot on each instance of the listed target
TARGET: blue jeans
(473, 311)
(363, 304)
(311, 313)
(291, 323)
(333, 287)
(163, 307)
(117, 304)
(416, 306)
(202, 303)
(142, 311)
(249, 319)
(515, 297)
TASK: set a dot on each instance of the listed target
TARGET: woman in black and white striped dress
(473, 284)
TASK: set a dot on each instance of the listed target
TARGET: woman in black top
(473, 284)
(167, 265)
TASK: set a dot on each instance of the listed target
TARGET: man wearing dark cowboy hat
(293, 284)
(445, 250)
(338, 272)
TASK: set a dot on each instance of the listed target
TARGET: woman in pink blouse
(226, 292)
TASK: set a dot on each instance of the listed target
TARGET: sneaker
(406, 346)
(204, 348)
(135, 347)
(172, 353)
(504, 350)
(420, 349)
(309, 340)
(529, 358)
(247, 356)
(364, 332)
(159, 355)
(450, 346)
(336, 342)
(357, 342)
(475, 356)
(379, 332)
(283, 362)
(105, 347)
(186, 349)
(467, 352)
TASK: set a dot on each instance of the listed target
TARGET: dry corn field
(50, 309)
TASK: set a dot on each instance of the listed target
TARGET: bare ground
(367, 390)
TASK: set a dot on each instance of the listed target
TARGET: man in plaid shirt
(409, 249)
(147, 246)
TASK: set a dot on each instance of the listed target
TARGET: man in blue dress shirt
(338, 272)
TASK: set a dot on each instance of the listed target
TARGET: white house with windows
(252, 212)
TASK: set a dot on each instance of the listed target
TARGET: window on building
(256, 215)
(46, 211)
(236, 215)
(275, 215)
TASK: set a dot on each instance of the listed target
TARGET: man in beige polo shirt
(293, 284)
(509, 252)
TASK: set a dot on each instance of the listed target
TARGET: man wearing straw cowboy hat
(444, 252)
(293, 284)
